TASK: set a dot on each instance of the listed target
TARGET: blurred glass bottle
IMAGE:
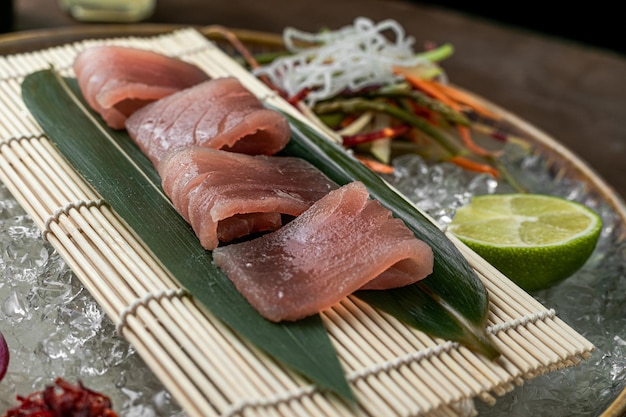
(122, 11)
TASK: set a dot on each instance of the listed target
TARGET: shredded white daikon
(350, 58)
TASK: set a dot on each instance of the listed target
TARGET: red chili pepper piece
(298, 97)
(63, 399)
(388, 132)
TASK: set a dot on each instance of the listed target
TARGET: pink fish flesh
(344, 242)
(117, 80)
(220, 114)
(227, 195)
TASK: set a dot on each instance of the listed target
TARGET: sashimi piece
(227, 195)
(116, 80)
(342, 243)
(220, 114)
(241, 225)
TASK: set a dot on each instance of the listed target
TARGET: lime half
(535, 240)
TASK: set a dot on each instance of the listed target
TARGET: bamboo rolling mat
(393, 370)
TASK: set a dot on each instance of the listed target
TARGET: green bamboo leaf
(452, 302)
(107, 162)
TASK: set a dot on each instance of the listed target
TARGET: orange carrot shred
(475, 166)
(470, 144)
(424, 85)
(461, 96)
(434, 89)
(446, 93)
(375, 166)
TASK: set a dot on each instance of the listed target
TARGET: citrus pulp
(535, 240)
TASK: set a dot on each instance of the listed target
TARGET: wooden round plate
(563, 161)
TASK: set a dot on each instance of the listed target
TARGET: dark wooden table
(572, 92)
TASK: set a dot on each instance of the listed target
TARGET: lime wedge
(535, 240)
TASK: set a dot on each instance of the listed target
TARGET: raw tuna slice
(220, 114)
(228, 195)
(117, 80)
(344, 242)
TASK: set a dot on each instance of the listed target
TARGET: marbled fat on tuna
(118, 80)
(227, 195)
(220, 114)
(344, 242)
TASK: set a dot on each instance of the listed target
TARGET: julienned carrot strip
(460, 96)
(425, 86)
(375, 165)
(431, 88)
(475, 166)
(464, 132)
(447, 94)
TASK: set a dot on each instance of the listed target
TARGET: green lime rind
(535, 240)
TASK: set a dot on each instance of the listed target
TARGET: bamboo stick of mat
(394, 370)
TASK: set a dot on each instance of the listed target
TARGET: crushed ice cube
(58, 326)
(55, 328)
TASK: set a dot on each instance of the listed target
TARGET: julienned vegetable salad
(381, 98)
